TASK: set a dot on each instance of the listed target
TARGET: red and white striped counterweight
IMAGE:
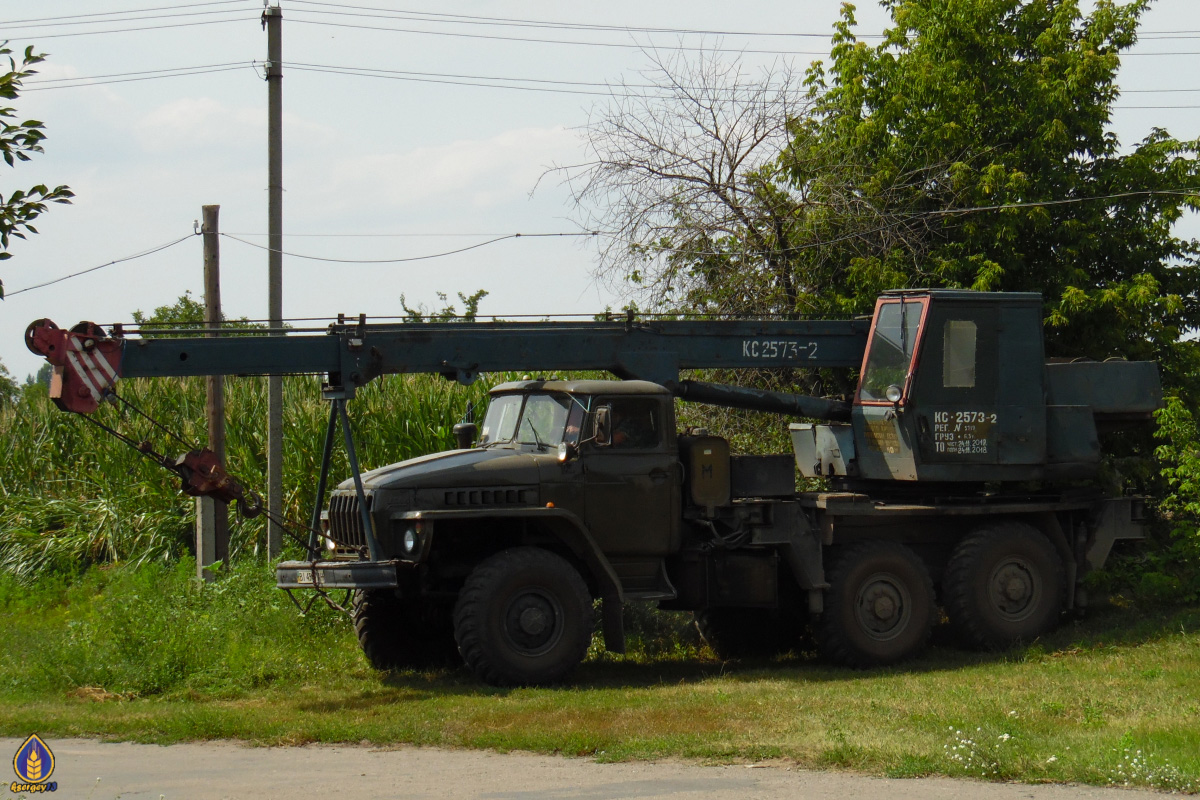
(87, 362)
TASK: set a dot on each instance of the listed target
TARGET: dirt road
(92, 770)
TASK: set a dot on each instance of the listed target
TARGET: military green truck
(959, 475)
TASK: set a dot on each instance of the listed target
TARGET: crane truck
(958, 476)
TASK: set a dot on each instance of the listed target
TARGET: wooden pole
(212, 516)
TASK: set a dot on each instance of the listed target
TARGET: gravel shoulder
(96, 770)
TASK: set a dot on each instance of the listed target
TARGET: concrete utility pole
(272, 19)
(212, 516)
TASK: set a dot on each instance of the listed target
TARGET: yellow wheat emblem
(33, 763)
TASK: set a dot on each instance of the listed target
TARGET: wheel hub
(1014, 588)
(531, 623)
(883, 606)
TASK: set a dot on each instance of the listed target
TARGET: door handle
(658, 475)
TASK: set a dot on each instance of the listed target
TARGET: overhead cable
(9, 22)
(76, 22)
(128, 77)
(475, 246)
(40, 37)
(142, 254)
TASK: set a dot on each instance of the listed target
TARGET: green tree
(9, 391)
(448, 312)
(1007, 103)
(184, 318)
(17, 140)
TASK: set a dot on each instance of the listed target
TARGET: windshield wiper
(536, 438)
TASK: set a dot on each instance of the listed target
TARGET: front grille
(499, 496)
(345, 521)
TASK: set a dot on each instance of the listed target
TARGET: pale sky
(378, 168)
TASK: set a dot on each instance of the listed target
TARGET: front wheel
(523, 618)
(879, 608)
(1004, 584)
(397, 633)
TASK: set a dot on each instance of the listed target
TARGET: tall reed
(71, 495)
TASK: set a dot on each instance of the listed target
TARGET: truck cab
(597, 458)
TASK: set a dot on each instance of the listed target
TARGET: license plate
(304, 576)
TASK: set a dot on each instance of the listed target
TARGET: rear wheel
(1004, 584)
(395, 633)
(523, 618)
(879, 608)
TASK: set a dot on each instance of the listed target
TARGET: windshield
(541, 421)
(500, 423)
(892, 345)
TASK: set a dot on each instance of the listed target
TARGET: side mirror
(464, 434)
(603, 435)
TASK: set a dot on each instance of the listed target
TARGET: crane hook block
(87, 363)
(203, 475)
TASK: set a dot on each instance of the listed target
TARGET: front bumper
(336, 575)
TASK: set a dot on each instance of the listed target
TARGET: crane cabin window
(890, 353)
(958, 359)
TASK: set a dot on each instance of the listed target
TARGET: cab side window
(958, 354)
(636, 424)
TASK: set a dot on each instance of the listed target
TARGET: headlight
(410, 541)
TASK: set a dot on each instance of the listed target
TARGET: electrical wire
(40, 37)
(911, 216)
(82, 82)
(452, 79)
(409, 258)
(624, 45)
(142, 254)
(116, 13)
(368, 73)
(388, 72)
(495, 37)
(126, 74)
(472, 19)
(464, 235)
(78, 22)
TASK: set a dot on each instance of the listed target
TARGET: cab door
(883, 428)
(954, 395)
(632, 481)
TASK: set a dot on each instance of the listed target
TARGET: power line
(449, 80)
(40, 37)
(909, 217)
(117, 13)
(472, 19)
(389, 72)
(410, 258)
(78, 22)
(495, 37)
(128, 77)
(463, 235)
(142, 254)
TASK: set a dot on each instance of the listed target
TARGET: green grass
(148, 655)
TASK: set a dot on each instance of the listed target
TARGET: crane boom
(89, 361)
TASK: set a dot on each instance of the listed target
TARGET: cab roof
(590, 387)
(966, 295)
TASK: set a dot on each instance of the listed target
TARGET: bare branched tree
(712, 192)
